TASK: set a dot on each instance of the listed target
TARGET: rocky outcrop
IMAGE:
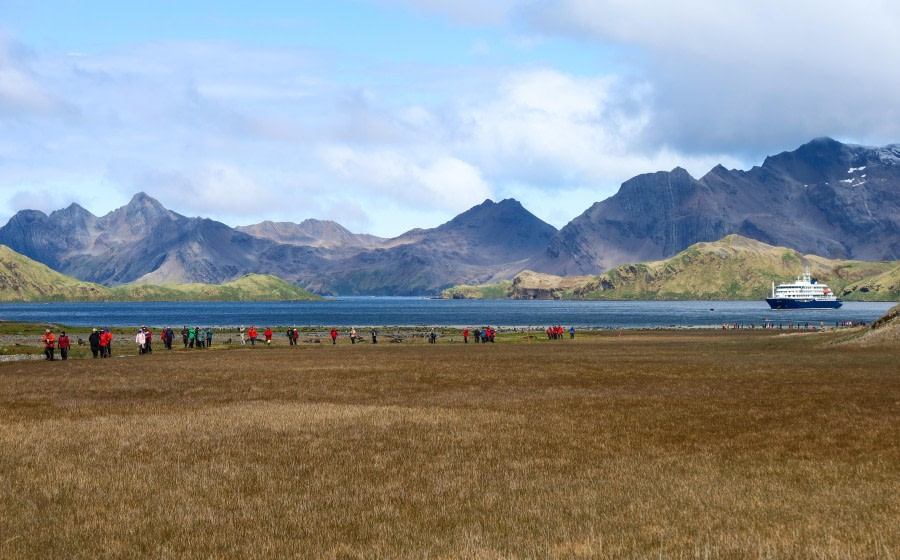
(533, 285)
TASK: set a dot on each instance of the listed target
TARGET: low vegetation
(663, 444)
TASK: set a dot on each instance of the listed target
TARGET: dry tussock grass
(670, 444)
(883, 331)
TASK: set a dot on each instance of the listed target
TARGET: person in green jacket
(192, 336)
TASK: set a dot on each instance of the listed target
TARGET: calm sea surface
(405, 311)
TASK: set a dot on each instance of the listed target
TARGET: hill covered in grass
(883, 331)
(733, 268)
(25, 280)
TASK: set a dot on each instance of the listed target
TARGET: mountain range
(826, 198)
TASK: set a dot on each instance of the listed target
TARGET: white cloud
(19, 90)
(549, 127)
(735, 76)
(435, 182)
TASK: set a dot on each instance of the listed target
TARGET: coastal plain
(635, 444)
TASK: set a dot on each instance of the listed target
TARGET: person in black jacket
(94, 341)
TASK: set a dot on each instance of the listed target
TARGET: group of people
(482, 335)
(557, 332)
(100, 341)
(353, 336)
(252, 335)
(51, 343)
(191, 337)
(805, 325)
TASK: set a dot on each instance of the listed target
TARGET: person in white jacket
(141, 340)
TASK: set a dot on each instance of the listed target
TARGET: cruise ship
(804, 293)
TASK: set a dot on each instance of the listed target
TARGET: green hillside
(740, 268)
(22, 279)
(734, 268)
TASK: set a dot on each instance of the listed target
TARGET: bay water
(413, 311)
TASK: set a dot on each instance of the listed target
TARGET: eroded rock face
(533, 285)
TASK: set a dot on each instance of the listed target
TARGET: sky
(385, 115)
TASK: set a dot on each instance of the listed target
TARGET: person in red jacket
(466, 335)
(334, 334)
(105, 343)
(63, 344)
(252, 334)
(49, 344)
(268, 335)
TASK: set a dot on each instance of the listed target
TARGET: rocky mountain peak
(27, 217)
(135, 219)
(506, 212)
(647, 193)
(74, 208)
(310, 233)
(73, 213)
(146, 205)
(814, 162)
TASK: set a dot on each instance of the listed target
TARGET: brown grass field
(668, 444)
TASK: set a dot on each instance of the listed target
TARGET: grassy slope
(884, 331)
(738, 268)
(22, 279)
(732, 268)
